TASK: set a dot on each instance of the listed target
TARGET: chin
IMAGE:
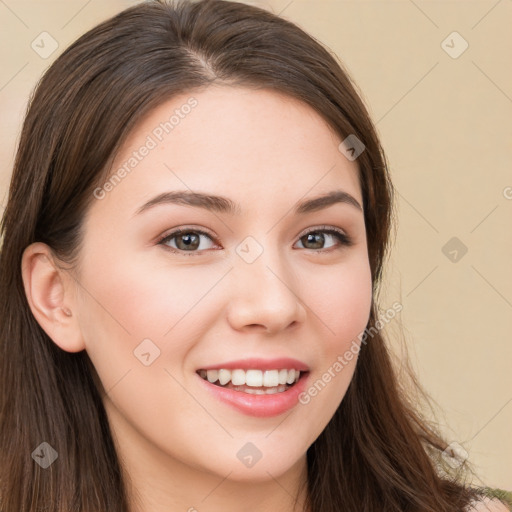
(268, 467)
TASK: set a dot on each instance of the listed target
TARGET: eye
(188, 241)
(317, 238)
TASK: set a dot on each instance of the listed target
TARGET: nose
(265, 296)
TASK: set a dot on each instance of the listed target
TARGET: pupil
(190, 240)
(318, 236)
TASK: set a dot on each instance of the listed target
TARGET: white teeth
(212, 375)
(272, 379)
(254, 378)
(238, 377)
(269, 391)
(254, 391)
(224, 376)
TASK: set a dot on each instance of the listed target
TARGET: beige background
(445, 124)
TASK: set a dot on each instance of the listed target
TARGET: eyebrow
(225, 205)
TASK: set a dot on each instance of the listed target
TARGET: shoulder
(489, 505)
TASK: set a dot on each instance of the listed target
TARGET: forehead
(255, 146)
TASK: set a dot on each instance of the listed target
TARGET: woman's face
(246, 289)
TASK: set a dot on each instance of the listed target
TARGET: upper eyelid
(177, 231)
(324, 227)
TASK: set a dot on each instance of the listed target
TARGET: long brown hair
(376, 453)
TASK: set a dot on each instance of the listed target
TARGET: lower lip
(261, 406)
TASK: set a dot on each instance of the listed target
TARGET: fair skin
(177, 442)
(489, 505)
(305, 301)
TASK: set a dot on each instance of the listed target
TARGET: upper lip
(260, 364)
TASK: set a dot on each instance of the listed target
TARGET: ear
(50, 295)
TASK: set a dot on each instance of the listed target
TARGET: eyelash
(345, 240)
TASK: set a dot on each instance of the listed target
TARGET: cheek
(129, 302)
(341, 301)
(342, 307)
(153, 300)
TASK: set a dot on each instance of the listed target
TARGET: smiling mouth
(254, 382)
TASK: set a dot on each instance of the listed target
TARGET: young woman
(197, 223)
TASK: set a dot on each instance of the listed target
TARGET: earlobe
(48, 292)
